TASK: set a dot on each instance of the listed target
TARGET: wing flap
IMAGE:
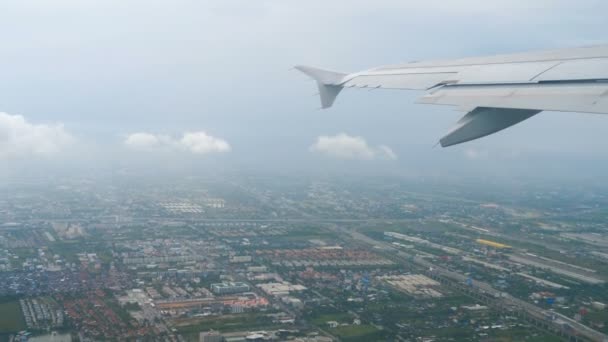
(580, 69)
(503, 73)
(484, 121)
(584, 98)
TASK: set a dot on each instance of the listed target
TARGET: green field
(224, 323)
(357, 333)
(522, 334)
(12, 319)
(338, 317)
(350, 333)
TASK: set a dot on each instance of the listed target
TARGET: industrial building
(492, 244)
(235, 259)
(417, 285)
(210, 336)
(229, 288)
(280, 289)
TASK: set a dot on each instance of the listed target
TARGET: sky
(205, 84)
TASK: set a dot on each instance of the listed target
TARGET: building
(294, 302)
(257, 269)
(240, 259)
(494, 244)
(280, 289)
(237, 309)
(210, 336)
(229, 288)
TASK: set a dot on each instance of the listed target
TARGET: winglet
(329, 83)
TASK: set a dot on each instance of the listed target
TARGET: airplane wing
(496, 92)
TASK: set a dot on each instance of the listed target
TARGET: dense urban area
(298, 259)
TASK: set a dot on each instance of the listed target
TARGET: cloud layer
(194, 142)
(20, 138)
(344, 146)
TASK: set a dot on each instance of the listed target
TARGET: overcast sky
(110, 82)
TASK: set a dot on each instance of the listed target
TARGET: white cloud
(20, 138)
(142, 140)
(201, 142)
(194, 142)
(344, 146)
(387, 152)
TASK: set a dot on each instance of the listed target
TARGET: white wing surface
(499, 91)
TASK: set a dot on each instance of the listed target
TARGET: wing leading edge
(501, 90)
